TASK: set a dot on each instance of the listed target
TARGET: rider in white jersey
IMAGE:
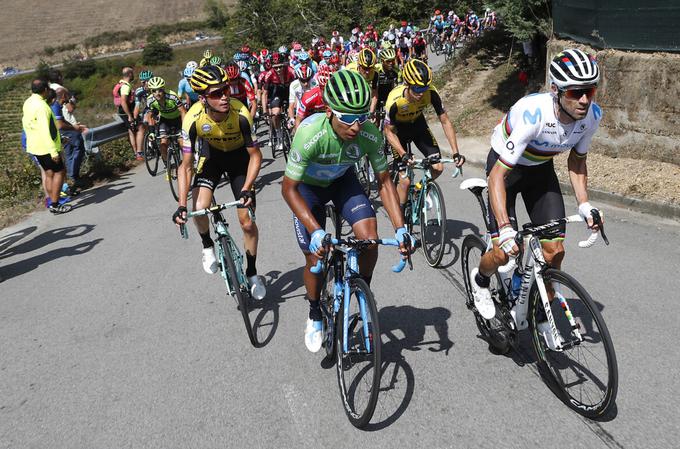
(536, 129)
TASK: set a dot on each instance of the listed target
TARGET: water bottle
(515, 284)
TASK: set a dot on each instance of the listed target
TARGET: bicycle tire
(577, 373)
(359, 416)
(433, 244)
(234, 284)
(286, 142)
(327, 304)
(152, 154)
(492, 331)
(173, 169)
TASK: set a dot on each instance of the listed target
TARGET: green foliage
(42, 70)
(156, 52)
(217, 14)
(79, 69)
(49, 51)
(525, 18)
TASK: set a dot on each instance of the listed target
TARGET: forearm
(374, 100)
(184, 177)
(578, 176)
(390, 199)
(253, 167)
(126, 107)
(393, 140)
(449, 132)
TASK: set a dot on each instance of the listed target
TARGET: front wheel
(578, 357)
(358, 363)
(152, 153)
(235, 280)
(173, 168)
(285, 135)
(433, 224)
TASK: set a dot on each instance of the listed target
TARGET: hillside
(24, 41)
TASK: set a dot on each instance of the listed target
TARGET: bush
(79, 69)
(42, 70)
(156, 52)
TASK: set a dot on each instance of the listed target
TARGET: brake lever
(597, 219)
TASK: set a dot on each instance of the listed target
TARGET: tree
(156, 52)
(524, 19)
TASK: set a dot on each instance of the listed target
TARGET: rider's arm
(447, 126)
(186, 167)
(578, 175)
(253, 151)
(390, 130)
(497, 194)
(289, 190)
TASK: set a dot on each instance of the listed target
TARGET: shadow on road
(267, 179)
(404, 328)
(41, 240)
(11, 239)
(454, 231)
(102, 193)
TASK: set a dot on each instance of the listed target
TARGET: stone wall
(640, 96)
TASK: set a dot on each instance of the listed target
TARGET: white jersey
(530, 133)
(297, 90)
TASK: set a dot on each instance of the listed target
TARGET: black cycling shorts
(419, 133)
(167, 126)
(540, 191)
(213, 164)
(47, 163)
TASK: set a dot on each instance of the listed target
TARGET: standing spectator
(72, 133)
(126, 107)
(43, 141)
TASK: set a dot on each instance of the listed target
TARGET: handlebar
(354, 243)
(184, 231)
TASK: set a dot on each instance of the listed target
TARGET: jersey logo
(532, 118)
(295, 156)
(353, 151)
(206, 128)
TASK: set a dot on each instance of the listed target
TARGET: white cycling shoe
(209, 261)
(313, 335)
(483, 302)
(257, 288)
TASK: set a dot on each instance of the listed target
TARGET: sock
(207, 241)
(314, 310)
(482, 281)
(250, 267)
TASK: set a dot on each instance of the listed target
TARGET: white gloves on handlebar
(506, 238)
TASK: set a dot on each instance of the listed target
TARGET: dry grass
(31, 25)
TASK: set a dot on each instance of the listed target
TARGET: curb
(613, 199)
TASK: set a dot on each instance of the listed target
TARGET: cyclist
(311, 101)
(241, 89)
(223, 126)
(298, 87)
(365, 66)
(419, 46)
(405, 122)
(276, 84)
(141, 109)
(388, 75)
(206, 58)
(403, 49)
(320, 169)
(184, 90)
(537, 128)
(169, 111)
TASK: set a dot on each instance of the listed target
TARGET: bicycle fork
(353, 267)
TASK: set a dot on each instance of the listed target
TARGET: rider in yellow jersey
(405, 123)
(365, 66)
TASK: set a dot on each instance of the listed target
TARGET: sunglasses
(155, 91)
(419, 89)
(350, 119)
(219, 93)
(575, 94)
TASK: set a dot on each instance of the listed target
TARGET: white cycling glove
(506, 238)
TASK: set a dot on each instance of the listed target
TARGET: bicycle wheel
(152, 153)
(286, 142)
(235, 279)
(362, 168)
(358, 365)
(327, 307)
(433, 224)
(585, 371)
(432, 43)
(494, 331)
(173, 167)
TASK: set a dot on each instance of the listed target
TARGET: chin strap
(559, 105)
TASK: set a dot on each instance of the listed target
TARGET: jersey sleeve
(374, 150)
(244, 125)
(516, 136)
(291, 92)
(189, 133)
(583, 145)
(391, 116)
(243, 110)
(299, 157)
(436, 101)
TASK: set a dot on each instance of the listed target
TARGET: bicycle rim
(151, 155)
(286, 144)
(327, 300)
(586, 371)
(358, 368)
(493, 330)
(433, 224)
(235, 275)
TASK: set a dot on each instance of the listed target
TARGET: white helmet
(193, 65)
(574, 67)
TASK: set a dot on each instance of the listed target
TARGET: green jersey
(170, 108)
(318, 156)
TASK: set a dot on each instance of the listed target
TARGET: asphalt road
(113, 337)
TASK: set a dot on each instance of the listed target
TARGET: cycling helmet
(283, 49)
(335, 59)
(387, 54)
(369, 27)
(267, 63)
(304, 72)
(145, 75)
(386, 45)
(233, 71)
(347, 92)
(336, 33)
(205, 77)
(215, 60)
(451, 13)
(327, 54)
(245, 48)
(253, 61)
(156, 83)
(297, 46)
(325, 71)
(192, 64)
(353, 39)
(437, 12)
(303, 56)
(242, 66)
(207, 54)
(188, 71)
(366, 58)
(574, 67)
(372, 44)
(417, 73)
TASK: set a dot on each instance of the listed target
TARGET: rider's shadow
(405, 328)
(455, 230)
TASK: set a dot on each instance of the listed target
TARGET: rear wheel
(358, 364)
(584, 369)
(433, 224)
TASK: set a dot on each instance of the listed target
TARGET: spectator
(125, 110)
(43, 141)
(72, 135)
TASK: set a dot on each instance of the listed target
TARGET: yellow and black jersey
(372, 79)
(231, 134)
(400, 110)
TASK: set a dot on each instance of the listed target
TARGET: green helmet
(146, 75)
(215, 60)
(347, 92)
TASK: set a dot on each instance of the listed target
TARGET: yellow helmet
(207, 54)
(387, 54)
(417, 73)
(366, 58)
(205, 77)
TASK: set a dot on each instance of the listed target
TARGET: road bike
(174, 161)
(574, 350)
(286, 139)
(351, 329)
(152, 151)
(229, 259)
(425, 207)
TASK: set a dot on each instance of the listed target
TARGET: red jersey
(271, 77)
(243, 91)
(311, 102)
